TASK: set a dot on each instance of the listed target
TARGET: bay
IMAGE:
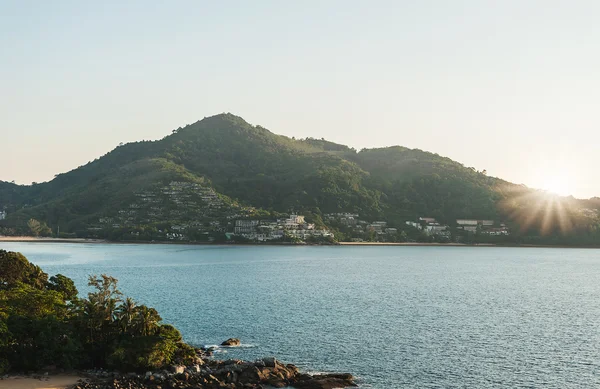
(396, 317)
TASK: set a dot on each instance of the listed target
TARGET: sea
(393, 316)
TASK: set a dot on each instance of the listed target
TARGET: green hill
(267, 170)
(209, 173)
(420, 183)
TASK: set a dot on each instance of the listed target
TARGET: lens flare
(557, 185)
(539, 210)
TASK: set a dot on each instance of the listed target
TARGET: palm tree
(110, 310)
(126, 314)
(92, 317)
(147, 320)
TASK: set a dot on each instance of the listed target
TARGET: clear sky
(510, 86)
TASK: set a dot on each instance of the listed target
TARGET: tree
(126, 314)
(106, 290)
(105, 298)
(34, 227)
(147, 320)
(27, 301)
(42, 322)
(402, 236)
(45, 230)
(90, 317)
(370, 235)
(15, 269)
(63, 285)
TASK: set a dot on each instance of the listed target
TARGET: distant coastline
(413, 244)
(32, 239)
(51, 240)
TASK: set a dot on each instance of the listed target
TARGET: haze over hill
(511, 88)
(221, 168)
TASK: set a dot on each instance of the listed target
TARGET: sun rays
(540, 210)
(559, 183)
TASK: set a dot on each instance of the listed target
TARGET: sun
(559, 184)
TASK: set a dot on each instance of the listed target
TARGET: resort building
(245, 227)
(264, 230)
(474, 222)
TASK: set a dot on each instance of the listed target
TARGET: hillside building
(264, 230)
(243, 227)
(474, 222)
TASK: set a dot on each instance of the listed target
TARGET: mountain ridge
(257, 172)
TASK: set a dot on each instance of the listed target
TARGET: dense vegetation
(252, 167)
(43, 322)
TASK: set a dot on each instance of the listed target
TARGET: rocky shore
(213, 374)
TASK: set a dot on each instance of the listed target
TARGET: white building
(467, 222)
(266, 230)
(2, 215)
(292, 222)
(497, 231)
(435, 228)
(414, 224)
(473, 222)
(377, 226)
(245, 226)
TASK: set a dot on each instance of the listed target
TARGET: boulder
(276, 383)
(270, 361)
(199, 361)
(253, 375)
(231, 342)
(324, 381)
(231, 374)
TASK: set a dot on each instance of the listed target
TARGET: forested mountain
(221, 167)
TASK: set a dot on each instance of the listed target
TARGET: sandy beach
(410, 244)
(50, 382)
(47, 240)
(32, 239)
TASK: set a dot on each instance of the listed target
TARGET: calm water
(397, 317)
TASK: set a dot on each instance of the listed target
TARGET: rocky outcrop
(231, 342)
(230, 374)
(324, 381)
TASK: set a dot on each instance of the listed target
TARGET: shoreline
(50, 240)
(59, 381)
(31, 239)
(204, 372)
(470, 245)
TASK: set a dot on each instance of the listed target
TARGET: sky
(512, 87)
